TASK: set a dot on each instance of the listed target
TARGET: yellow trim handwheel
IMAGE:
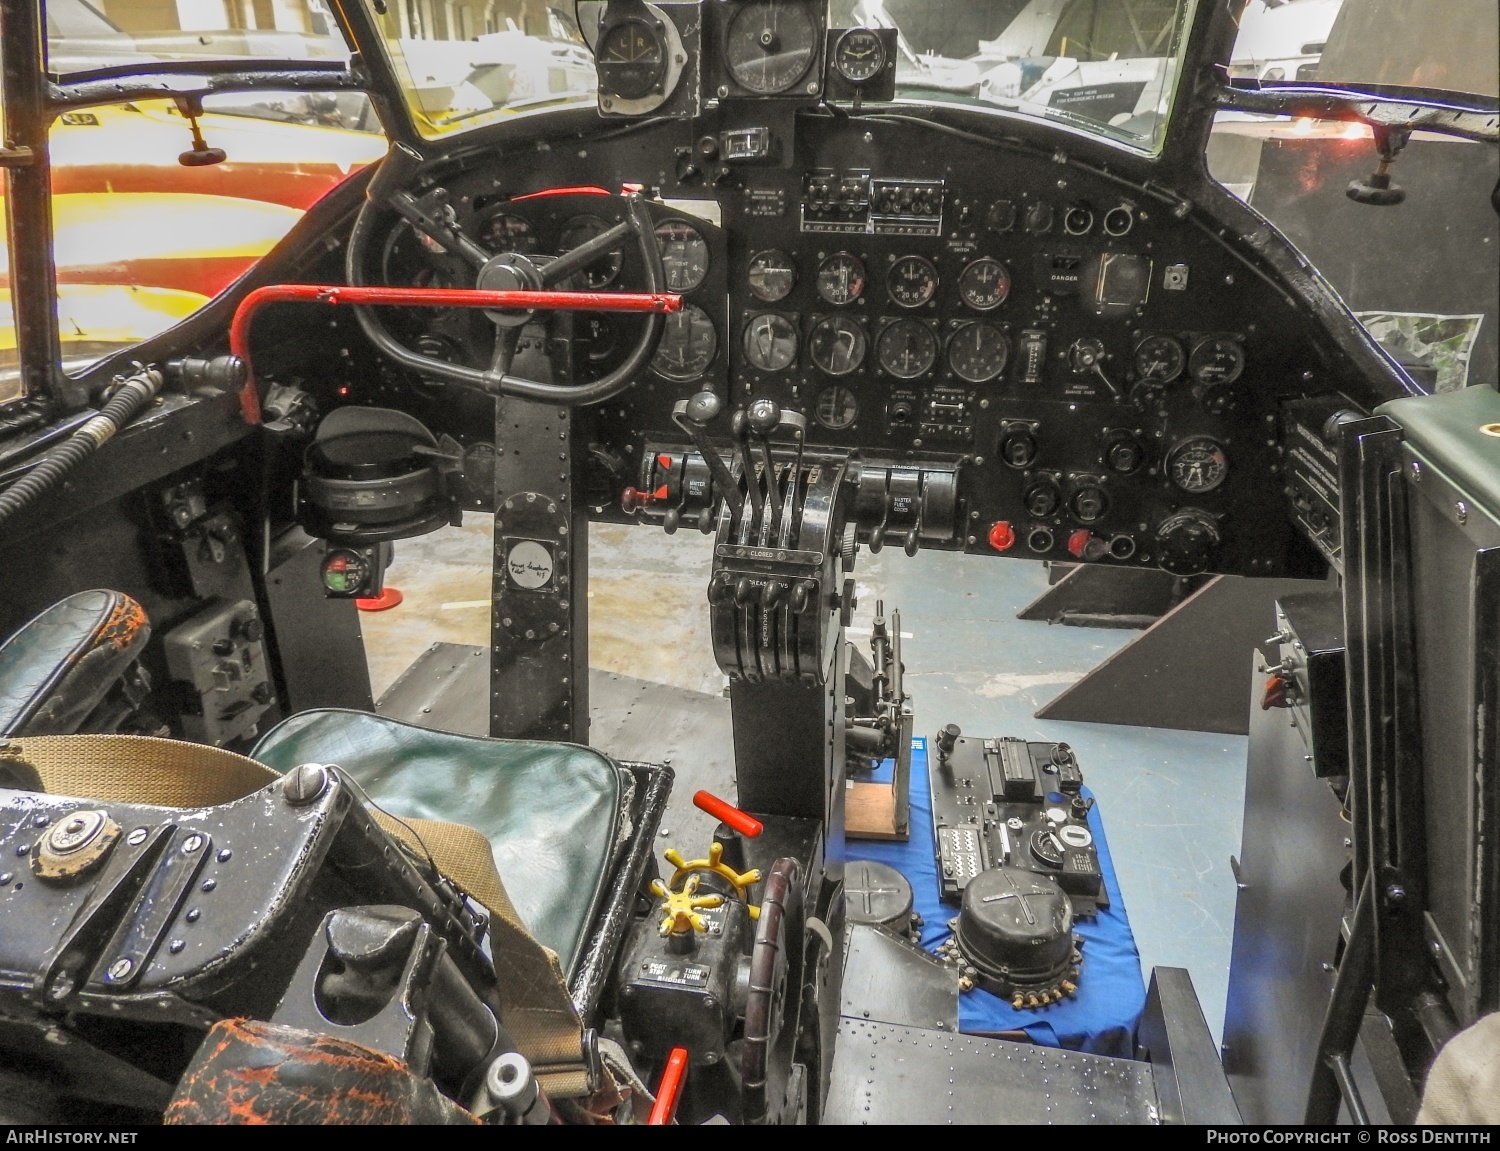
(741, 882)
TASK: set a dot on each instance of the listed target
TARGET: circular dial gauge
(984, 284)
(841, 278)
(505, 233)
(978, 352)
(631, 58)
(1216, 360)
(580, 230)
(688, 344)
(1159, 358)
(837, 345)
(912, 281)
(859, 55)
(836, 408)
(684, 254)
(770, 342)
(907, 349)
(1198, 464)
(772, 276)
(769, 45)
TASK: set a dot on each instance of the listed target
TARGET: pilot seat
(403, 950)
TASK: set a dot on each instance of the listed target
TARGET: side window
(1419, 274)
(142, 241)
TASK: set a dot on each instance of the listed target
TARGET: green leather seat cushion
(551, 811)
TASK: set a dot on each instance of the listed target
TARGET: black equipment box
(1310, 631)
(1006, 801)
(1312, 469)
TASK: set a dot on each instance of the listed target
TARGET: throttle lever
(693, 416)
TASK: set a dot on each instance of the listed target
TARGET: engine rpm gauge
(859, 55)
(505, 233)
(837, 345)
(984, 284)
(1216, 360)
(684, 254)
(978, 352)
(770, 44)
(688, 344)
(907, 349)
(1197, 464)
(770, 342)
(1159, 358)
(841, 278)
(772, 275)
(912, 281)
(580, 230)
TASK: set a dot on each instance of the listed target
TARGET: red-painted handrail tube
(743, 822)
(669, 1090)
(239, 330)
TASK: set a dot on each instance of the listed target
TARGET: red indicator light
(1002, 536)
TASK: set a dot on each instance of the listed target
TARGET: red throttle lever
(669, 1090)
(743, 822)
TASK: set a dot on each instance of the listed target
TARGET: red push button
(1002, 536)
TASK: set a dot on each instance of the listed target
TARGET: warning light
(1002, 536)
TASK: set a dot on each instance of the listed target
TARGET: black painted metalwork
(28, 187)
(1385, 761)
(596, 964)
(184, 79)
(1460, 114)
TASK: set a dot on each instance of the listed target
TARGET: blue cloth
(1101, 1018)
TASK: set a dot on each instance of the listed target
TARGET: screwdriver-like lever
(693, 416)
(739, 427)
(763, 417)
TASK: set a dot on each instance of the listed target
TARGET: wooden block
(870, 813)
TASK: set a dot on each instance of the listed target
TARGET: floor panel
(1171, 800)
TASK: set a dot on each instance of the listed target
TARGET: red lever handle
(239, 329)
(746, 824)
(669, 1090)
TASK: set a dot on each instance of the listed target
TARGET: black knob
(1018, 448)
(1001, 217)
(1123, 455)
(1061, 753)
(1089, 504)
(703, 408)
(251, 629)
(947, 737)
(1039, 218)
(261, 692)
(223, 647)
(764, 416)
(1042, 499)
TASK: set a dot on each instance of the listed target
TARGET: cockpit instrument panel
(1104, 376)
